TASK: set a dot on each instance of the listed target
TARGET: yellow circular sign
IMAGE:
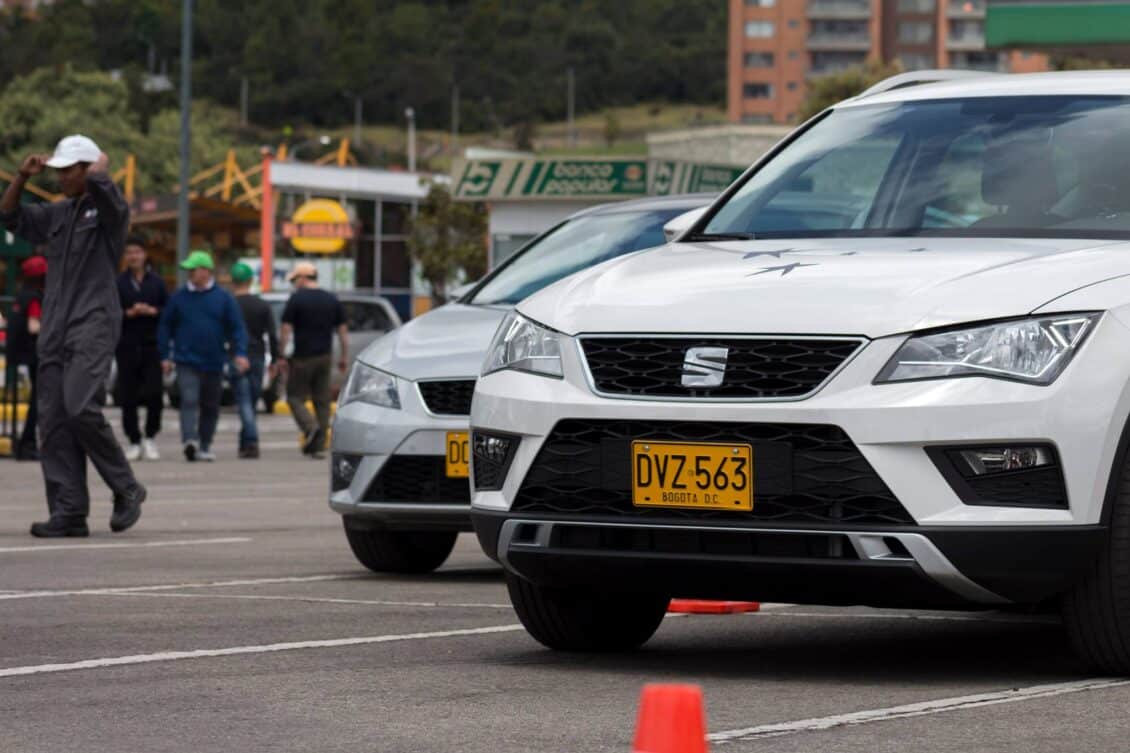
(320, 226)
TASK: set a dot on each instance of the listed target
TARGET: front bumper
(929, 567)
(406, 441)
(947, 551)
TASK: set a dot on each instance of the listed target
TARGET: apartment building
(777, 46)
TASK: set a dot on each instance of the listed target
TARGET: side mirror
(681, 224)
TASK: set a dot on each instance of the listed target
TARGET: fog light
(342, 470)
(492, 448)
(492, 454)
(982, 462)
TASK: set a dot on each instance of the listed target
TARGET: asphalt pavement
(234, 618)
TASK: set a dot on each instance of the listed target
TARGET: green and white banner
(584, 178)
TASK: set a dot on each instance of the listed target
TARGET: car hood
(450, 341)
(870, 286)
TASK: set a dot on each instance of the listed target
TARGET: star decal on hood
(784, 269)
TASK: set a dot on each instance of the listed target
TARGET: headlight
(370, 385)
(1028, 350)
(522, 345)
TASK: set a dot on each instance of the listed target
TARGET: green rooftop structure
(1087, 28)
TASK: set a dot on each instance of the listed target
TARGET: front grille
(803, 473)
(448, 397)
(755, 368)
(417, 478)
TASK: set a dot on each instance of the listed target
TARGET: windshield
(571, 247)
(1045, 166)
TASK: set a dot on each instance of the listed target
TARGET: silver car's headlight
(1032, 350)
(522, 345)
(372, 386)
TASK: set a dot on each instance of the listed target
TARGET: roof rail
(915, 78)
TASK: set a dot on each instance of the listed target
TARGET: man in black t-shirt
(312, 316)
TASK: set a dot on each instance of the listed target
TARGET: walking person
(143, 296)
(23, 334)
(311, 316)
(200, 322)
(262, 338)
(84, 235)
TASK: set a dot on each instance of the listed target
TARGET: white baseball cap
(74, 149)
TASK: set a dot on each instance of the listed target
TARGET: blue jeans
(199, 404)
(248, 388)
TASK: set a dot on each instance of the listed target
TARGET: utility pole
(185, 132)
(243, 93)
(454, 117)
(571, 108)
(357, 121)
(410, 114)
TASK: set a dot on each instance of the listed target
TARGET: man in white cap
(84, 236)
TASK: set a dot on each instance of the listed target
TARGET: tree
(825, 91)
(447, 238)
(39, 109)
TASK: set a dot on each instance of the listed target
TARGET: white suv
(889, 366)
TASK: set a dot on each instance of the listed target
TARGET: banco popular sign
(583, 178)
(320, 226)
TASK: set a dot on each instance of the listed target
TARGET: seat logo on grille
(704, 367)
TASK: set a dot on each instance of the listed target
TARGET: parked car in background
(368, 316)
(400, 441)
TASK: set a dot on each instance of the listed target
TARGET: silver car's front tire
(400, 551)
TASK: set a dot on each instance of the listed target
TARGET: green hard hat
(198, 259)
(241, 272)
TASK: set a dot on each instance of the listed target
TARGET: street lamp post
(185, 132)
(410, 114)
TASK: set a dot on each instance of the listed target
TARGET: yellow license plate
(693, 476)
(457, 454)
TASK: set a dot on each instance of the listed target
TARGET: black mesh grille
(803, 473)
(448, 397)
(417, 478)
(755, 368)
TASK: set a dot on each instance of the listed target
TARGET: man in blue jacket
(199, 322)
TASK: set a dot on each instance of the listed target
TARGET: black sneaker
(249, 452)
(190, 450)
(57, 528)
(127, 509)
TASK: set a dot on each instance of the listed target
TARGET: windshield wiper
(721, 237)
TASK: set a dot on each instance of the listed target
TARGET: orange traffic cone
(671, 720)
(699, 606)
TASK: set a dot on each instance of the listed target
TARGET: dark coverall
(84, 240)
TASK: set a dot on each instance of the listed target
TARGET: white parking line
(268, 648)
(124, 545)
(909, 710)
(177, 586)
(314, 600)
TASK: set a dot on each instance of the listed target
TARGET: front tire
(1097, 609)
(400, 551)
(573, 620)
